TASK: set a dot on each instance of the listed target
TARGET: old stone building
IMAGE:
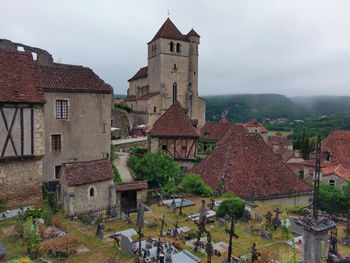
(21, 130)
(244, 162)
(335, 161)
(86, 186)
(277, 142)
(171, 75)
(174, 133)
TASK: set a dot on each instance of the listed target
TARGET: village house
(244, 162)
(277, 142)
(174, 133)
(335, 161)
(293, 159)
(78, 108)
(171, 75)
(21, 130)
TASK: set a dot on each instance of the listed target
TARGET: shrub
(124, 107)
(233, 207)
(193, 184)
(47, 215)
(295, 209)
(170, 187)
(157, 168)
(31, 238)
(141, 151)
(229, 195)
(117, 177)
(65, 244)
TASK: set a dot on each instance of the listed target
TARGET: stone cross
(209, 247)
(202, 216)
(268, 217)
(140, 216)
(161, 228)
(232, 233)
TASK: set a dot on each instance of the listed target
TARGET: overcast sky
(291, 47)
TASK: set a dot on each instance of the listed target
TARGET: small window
(57, 171)
(164, 147)
(332, 182)
(171, 46)
(56, 143)
(194, 73)
(61, 109)
(175, 66)
(327, 156)
(154, 109)
(92, 191)
(184, 148)
(178, 47)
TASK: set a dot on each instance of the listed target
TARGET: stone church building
(171, 75)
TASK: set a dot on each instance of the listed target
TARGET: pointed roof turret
(223, 120)
(169, 30)
(192, 33)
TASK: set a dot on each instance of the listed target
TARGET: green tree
(329, 195)
(193, 184)
(345, 198)
(157, 168)
(232, 207)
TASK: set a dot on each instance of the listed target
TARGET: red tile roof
(214, 130)
(255, 123)
(223, 120)
(78, 173)
(70, 78)
(338, 170)
(148, 96)
(137, 185)
(169, 30)
(279, 140)
(117, 101)
(338, 144)
(17, 78)
(130, 98)
(286, 154)
(174, 122)
(142, 73)
(246, 162)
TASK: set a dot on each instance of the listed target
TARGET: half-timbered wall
(22, 146)
(21, 131)
(179, 147)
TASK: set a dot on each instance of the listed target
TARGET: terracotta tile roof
(137, 185)
(148, 96)
(142, 73)
(279, 140)
(192, 33)
(338, 170)
(246, 162)
(78, 173)
(286, 154)
(214, 130)
(234, 128)
(17, 78)
(70, 78)
(223, 120)
(255, 123)
(174, 122)
(296, 167)
(338, 144)
(130, 98)
(169, 30)
(117, 101)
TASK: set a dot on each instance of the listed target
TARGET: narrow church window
(171, 46)
(154, 109)
(178, 47)
(174, 92)
(92, 191)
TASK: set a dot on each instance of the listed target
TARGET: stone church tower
(171, 75)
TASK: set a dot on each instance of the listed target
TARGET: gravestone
(114, 211)
(140, 216)
(2, 251)
(277, 221)
(258, 217)
(100, 230)
(126, 244)
(90, 217)
(173, 207)
(246, 216)
(247, 230)
(222, 222)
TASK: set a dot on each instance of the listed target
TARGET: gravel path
(121, 162)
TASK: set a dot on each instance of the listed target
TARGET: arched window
(92, 191)
(178, 47)
(171, 46)
(174, 92)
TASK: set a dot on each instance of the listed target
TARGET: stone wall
(338, 182)
(120, 120)
(300, 200)
(20, 182)
(85, 135)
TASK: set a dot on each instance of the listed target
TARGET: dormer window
(327, 156)
(171, 47)
(178, 47)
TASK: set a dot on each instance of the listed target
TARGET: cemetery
(272, 234)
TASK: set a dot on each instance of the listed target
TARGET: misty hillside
(242, 108)
(325, 105)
